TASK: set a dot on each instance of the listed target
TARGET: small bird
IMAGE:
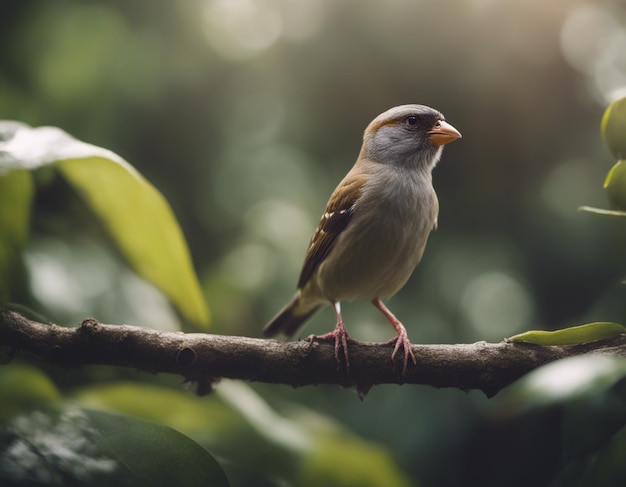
(375, 226)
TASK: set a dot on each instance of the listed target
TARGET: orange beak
(443, 133)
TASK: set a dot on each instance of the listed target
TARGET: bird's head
(412, 136)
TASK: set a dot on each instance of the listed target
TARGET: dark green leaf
(73, 446)
(240, 426)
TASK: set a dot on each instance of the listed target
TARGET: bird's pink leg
(401, 339)
(339, 335)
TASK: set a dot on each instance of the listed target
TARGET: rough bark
(205, 358)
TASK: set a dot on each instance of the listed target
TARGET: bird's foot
(401, 340)
(341, 337)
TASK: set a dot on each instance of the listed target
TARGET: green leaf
(323, 452)
(615, 185)
(135, 213)
(16, 194)
(343, 460)
(178, 409)
(23, 386)
(73, 446)
(589, 333)
(613, 128)
(239, 426)
(208, 420)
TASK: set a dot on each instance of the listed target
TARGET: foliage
(613, 128)
(66, 444)
(315, 449)
(136, 215)
(244, 115)
(16, 190)
(575, 410)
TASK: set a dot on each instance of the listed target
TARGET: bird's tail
(290, 318)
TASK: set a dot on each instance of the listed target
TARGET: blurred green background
(246, 113)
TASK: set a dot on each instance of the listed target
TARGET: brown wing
(336, 217)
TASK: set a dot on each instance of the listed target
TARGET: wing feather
(334, 221)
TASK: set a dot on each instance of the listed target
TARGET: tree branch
(204, 358)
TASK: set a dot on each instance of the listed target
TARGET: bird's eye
(411, 120)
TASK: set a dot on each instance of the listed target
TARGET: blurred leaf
(239, 426)
(207, 420)
(340, 460)
(325, 453)
(137, 216)
(560, 425)
(606, 468)
(16, 194)
(600, 211)
(615, 185)
(613, 128)
(589, 333)
(178, 409)
(566, 380)
(72, 446)
(23, 386)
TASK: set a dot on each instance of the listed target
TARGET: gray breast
(384, 242)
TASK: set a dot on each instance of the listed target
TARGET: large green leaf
(73, 446)
(134, 212)
(16, 192)
(179, 409)
(207, 420)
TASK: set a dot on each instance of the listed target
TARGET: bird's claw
(402, 341)
(341, 337)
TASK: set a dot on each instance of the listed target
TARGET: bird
(374, 229)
